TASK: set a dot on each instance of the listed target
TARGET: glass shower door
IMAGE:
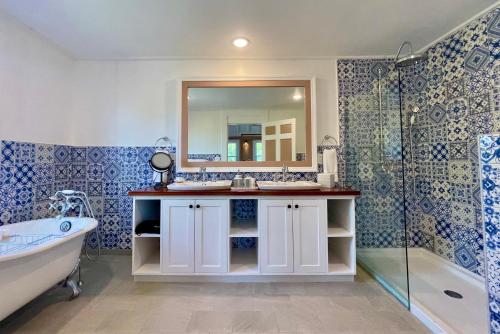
(370, 110)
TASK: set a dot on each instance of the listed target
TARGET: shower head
(411, 58)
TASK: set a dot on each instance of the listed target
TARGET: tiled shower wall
(490, 176)
(456, 93)
(31, 173)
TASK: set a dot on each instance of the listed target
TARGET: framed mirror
(251, 125)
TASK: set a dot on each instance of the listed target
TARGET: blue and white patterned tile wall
(30, 173)
(457, 94)
(490, 177)
(380, 210)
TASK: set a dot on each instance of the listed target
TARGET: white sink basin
(279, 185)
(199, 185)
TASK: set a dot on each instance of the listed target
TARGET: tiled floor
(113, 303)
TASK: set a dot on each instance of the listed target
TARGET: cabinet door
(310, 236)
(276, 238)
(211, 236)
(177, 234)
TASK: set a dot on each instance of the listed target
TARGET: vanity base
(261, 278)
(232, 238)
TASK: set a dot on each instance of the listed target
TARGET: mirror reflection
(246, 124)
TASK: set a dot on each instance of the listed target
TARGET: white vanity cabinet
(194, 236)
(293, 236)
(276, 236)
(177, 236)
(210, 241)
(310, 236)
(287, 238)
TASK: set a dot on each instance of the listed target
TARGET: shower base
(430, 275)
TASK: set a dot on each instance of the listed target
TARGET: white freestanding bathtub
(36, 255)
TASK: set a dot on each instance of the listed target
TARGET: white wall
(48, 97)
(35, 86)
(135, 102)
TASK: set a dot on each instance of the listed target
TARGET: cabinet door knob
(190, 206)
(296, 206)
(289, 206)
(197, 206)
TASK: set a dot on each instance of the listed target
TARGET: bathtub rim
(90, 224)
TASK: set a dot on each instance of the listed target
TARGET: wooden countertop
(246, 192)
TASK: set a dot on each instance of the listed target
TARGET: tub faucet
(65, 200)
(62, 206)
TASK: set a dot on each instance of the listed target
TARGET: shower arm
(401, 48)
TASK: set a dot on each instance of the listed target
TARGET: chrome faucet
(284, 172)
(64, 201)
(203, 172)
(63, 206)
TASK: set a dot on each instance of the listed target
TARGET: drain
(453, 294)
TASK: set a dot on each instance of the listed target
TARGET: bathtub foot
(72, 284)
(79, 282)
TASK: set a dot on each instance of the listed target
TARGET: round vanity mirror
(161, 162)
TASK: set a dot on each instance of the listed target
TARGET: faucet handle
(53, 206)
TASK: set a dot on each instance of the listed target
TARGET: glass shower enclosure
(413, 155)
(370, 109)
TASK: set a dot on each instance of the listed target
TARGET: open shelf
(151, 265)
(147, 235)
(244, 228)
(341, 256)
(339, 232)
(244, 261)
(340, 218)
(337, 265)
(146, 210)
(243, 218)
(146, 257)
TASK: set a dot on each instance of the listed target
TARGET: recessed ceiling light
(297, 96)
(240, 42)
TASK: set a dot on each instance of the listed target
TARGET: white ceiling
(104, 29)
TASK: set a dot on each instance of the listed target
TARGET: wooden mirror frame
(309, 164)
